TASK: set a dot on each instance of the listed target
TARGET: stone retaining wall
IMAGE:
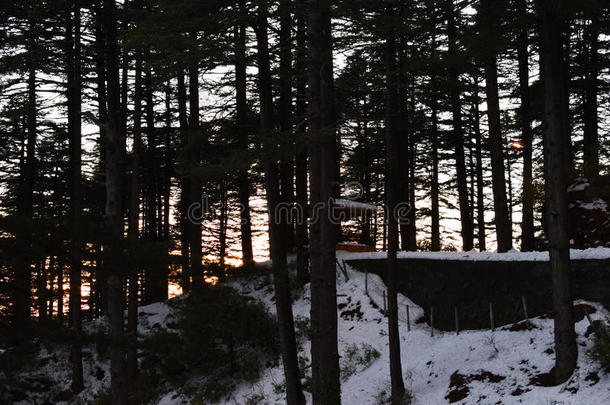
(472, 285)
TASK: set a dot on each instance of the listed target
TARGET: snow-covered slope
(473, 367)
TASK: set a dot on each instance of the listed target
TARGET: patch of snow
(596, 204)
(579, 185)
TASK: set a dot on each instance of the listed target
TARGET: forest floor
(505, 366)
(500, 367)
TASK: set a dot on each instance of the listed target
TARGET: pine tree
(555, 178)
(277, 228)
(489, 10)
(114, 205)
(73, 61)
(323, 177)
(458, 133)
(392, 198)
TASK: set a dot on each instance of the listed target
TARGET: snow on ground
(52, 377)
(485, 367)
(473, 367)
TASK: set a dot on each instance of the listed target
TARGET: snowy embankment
(473, 367)
(481, 366)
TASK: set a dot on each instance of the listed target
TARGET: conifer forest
(304, 201)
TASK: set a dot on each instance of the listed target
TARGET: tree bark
(25, 203)
(194, 146)
(458, 132)
(114, 210)
(101, 98)
(134, 217)
(241, 117)
(435, 242)
(489, 8)
(285, 116)
(527, 222)
(73, 95)
(406, 172)
(556, 199)
(392, 199)
(590, 131)
(479, 167)
(323, 189)
(169, 171)
(222, 230)
(435, 237)
(301, 238)
(277, 242)
(184, 187)
(566, 91)
(41, 290)
(156, 277)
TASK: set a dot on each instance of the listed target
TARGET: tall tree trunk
(555, 178)
(323, 153)
(114, 210)
(435, 243)
(479, 166)
(435, 237)
(392, 199)
(168, 170)
(590, 138)
(23, 270)
(222, 239)
(101, 98)
(489, 9)
(156, 278)
(406, 173)
(184, 187)
(242, 134)
(60, 290)
(285, 117)
(458, 132)
(277, 242)
(301, 156)
(41, 290)
(166, 193)
(411, 216)
(51, 287)
(194, 158)
(74, 135)
(527, 222)
(134, 217)
(566, 92)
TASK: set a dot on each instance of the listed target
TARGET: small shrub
(601, 344)
(302, 326)
(357, 358)
(255, 399)
(305, 370)
(222, 338)
(308, 383)
(279, 388)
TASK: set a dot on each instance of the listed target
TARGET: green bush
(357, 358)
(601, 344)
(222, 338)
(302, 326)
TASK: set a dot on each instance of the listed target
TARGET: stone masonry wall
(472, 285)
